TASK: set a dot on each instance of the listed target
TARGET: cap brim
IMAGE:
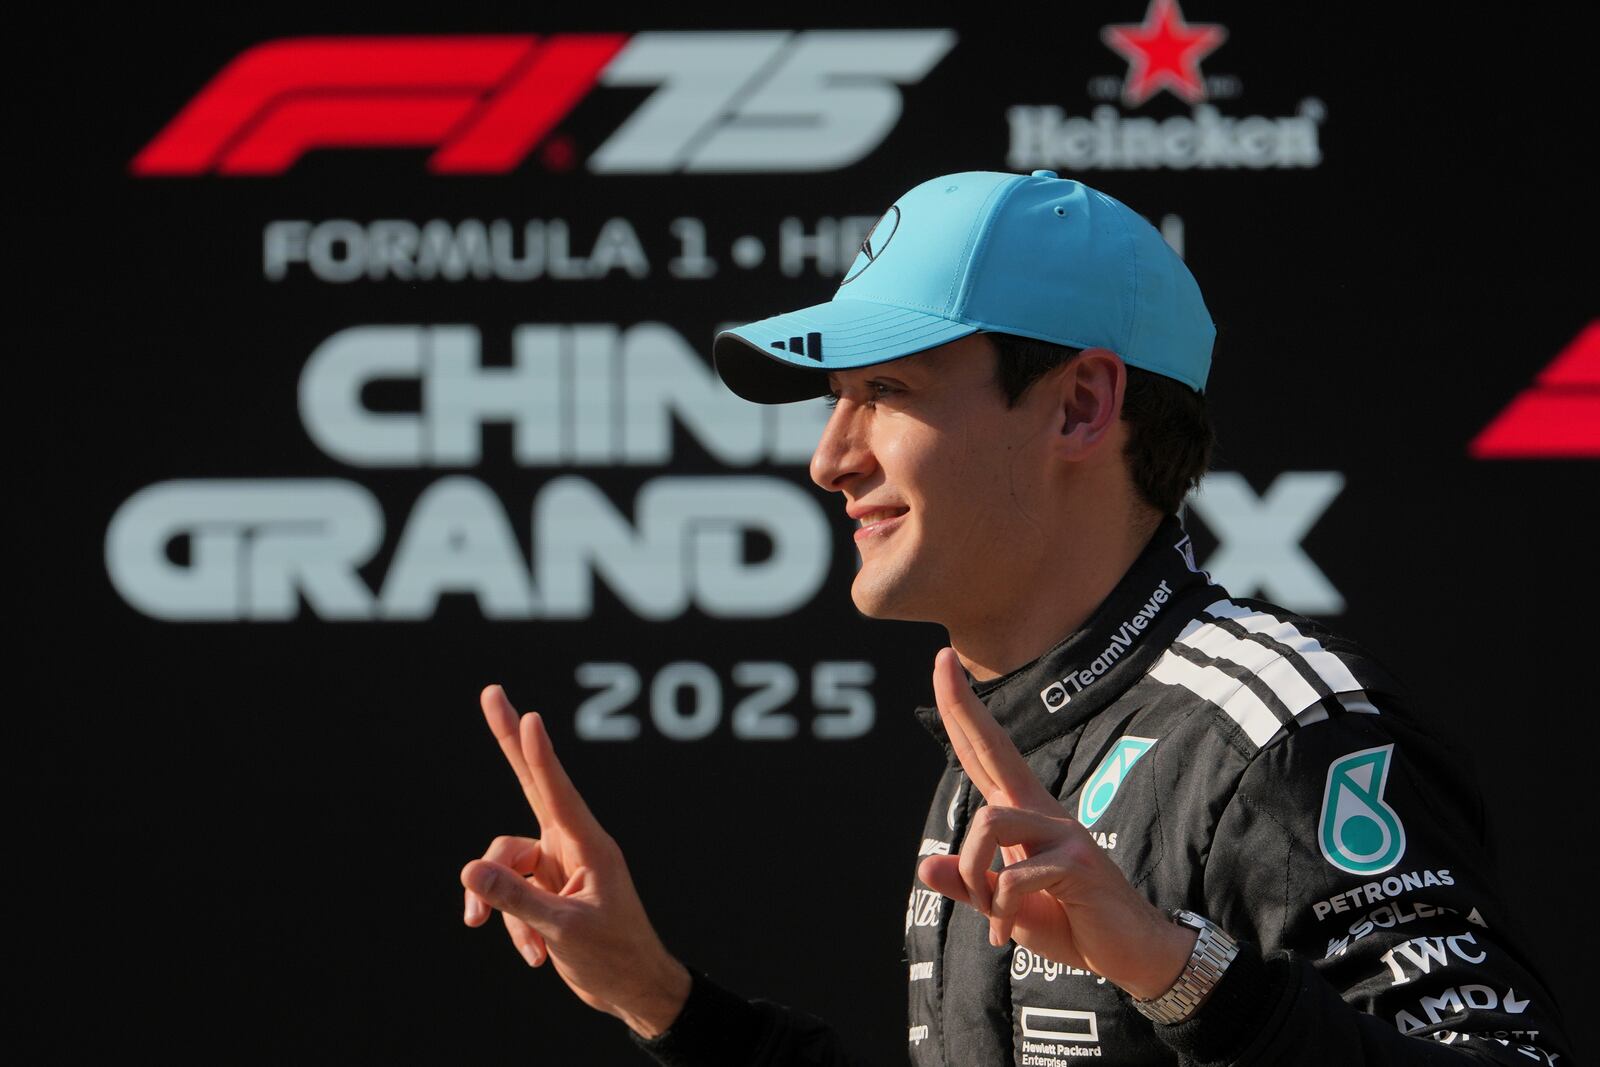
(788, 357)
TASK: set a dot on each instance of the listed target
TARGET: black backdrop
(241, 835)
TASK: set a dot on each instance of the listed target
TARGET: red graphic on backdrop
(1559, 417)
(484, 102)
(1163, 52)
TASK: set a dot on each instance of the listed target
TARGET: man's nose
(841, 454)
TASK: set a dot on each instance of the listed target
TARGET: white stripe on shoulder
(1329, 667)
(1357, 702)
(1265, 663)
(1227, 692)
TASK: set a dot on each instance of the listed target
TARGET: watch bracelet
(1213, 951)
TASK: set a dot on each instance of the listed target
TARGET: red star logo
(1163, 52)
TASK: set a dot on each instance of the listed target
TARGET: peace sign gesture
(1058, 893)
(567, 895)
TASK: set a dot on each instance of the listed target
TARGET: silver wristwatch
(1213, 951)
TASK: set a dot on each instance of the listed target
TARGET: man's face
(942, 478)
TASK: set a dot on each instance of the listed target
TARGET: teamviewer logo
(1055, 697)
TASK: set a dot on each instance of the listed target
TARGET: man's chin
(881, 600)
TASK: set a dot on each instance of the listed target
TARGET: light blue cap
(1033, 255)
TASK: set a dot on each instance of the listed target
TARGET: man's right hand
(567, 895)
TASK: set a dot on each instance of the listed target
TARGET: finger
(521, 854)
(581, 880)
(976, 857)
(1046, 872)
(559, 799)
(992, 827)
(505, 890)
(940, 874)
(474, 911)
(503, 723)
(528, 941)
(984, 749)
(949, 690)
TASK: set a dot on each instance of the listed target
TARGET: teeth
(877, 516)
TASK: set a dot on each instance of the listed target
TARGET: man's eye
(876, 391)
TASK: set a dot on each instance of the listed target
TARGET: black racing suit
(1241, 762)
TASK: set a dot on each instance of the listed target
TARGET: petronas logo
(1359, 833)
(1107, 778)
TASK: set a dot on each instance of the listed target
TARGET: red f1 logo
(1558, 417)
(484, 101)
(724, 101)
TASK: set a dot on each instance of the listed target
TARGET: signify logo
(1057, 695)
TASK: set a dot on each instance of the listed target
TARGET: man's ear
(1089, 401)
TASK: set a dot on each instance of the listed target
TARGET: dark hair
(1170, 438)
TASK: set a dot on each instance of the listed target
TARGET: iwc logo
(1358, 832)
(1107, 778)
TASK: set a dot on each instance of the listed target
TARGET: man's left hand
(1058, 893)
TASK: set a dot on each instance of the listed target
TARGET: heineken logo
(1358, 832)
(1107, 778)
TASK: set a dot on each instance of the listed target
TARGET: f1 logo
(724, 102)
(484, 101)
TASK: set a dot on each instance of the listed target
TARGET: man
(1222, 835)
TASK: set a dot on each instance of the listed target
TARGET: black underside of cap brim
(764, 378)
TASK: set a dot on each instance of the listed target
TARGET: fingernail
(483, 880)
(531, 954)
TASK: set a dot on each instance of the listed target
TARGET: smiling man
(1175, 826)
(962, 505)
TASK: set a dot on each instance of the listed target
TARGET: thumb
(505, 890)
(582, 879)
